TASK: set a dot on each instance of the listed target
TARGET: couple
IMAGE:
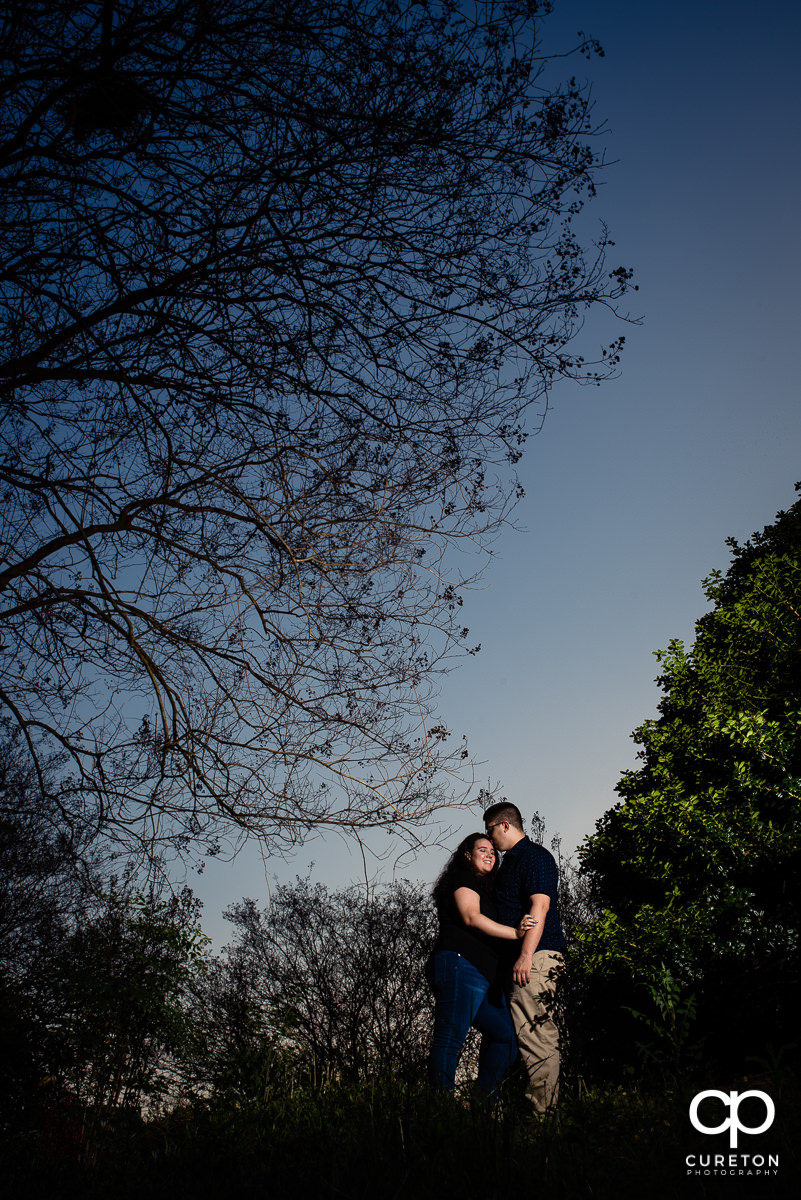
(496, 959)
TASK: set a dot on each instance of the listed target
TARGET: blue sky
(633, 488)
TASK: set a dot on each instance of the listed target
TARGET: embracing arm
(468, 904)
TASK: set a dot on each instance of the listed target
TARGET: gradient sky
(633, 488)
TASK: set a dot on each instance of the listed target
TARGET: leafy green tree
(94, 977)
(117, 998)
(105, 1018)
(697, 868)
(48, 880)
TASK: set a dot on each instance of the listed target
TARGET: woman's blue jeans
(462, 996)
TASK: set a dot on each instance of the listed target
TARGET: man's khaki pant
(531, 1007)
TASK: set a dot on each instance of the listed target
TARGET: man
(528, 882)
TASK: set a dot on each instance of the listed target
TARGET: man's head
(504, 825)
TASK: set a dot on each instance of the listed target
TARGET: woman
(464, 969)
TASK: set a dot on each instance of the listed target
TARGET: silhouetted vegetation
(293, 1061)
(282, 280)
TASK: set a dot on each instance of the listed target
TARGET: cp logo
(733, 1101)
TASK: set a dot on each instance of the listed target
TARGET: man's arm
(538, 907)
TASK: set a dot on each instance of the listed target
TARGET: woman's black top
(478, 948)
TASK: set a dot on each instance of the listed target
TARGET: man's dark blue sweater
(528, 869)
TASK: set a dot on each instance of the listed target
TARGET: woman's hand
(526, 923)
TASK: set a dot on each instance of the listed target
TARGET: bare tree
(335, 976)
(281, 279)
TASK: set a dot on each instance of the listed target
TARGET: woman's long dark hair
(457, 863)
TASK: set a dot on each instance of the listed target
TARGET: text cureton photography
(740, 1163)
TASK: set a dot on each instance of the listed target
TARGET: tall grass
(388, 1139)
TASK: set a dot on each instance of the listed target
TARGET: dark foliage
(332, 980)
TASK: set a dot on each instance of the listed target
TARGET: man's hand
(521, 971)
(539, 904)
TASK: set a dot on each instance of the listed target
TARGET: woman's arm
(469, 907)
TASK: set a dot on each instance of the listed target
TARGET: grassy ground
(385, 1140)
